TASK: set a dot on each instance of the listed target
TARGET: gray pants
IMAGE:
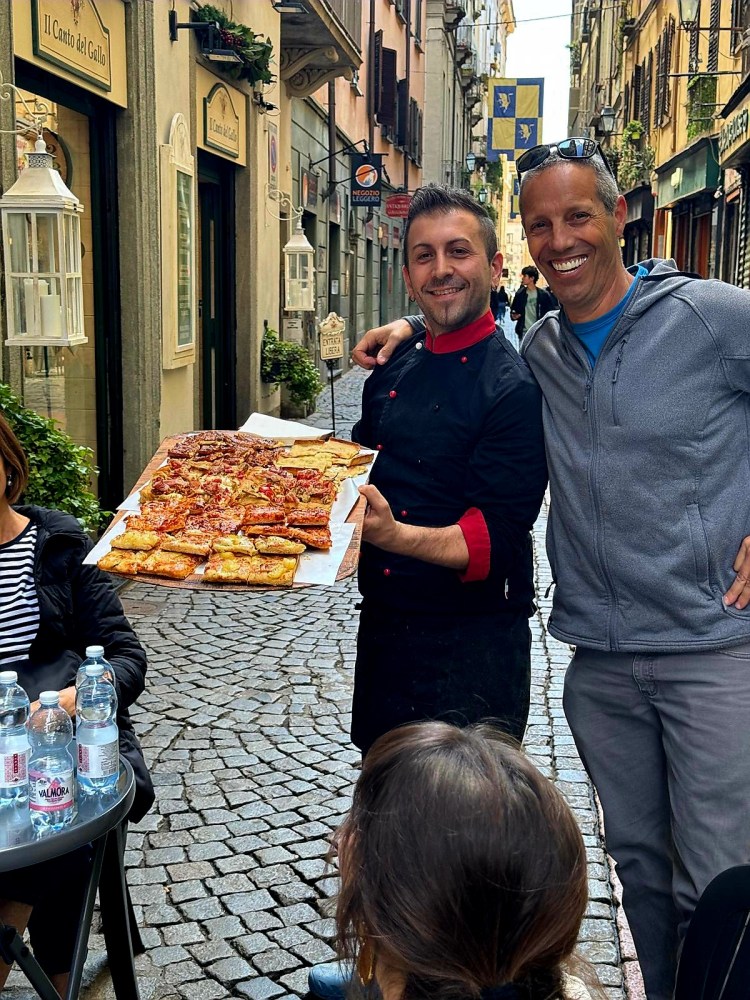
(666, 741)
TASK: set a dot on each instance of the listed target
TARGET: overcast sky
(538, 47)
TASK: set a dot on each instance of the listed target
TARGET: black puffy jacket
(78, 607)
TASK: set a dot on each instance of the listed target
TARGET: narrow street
(245, 725)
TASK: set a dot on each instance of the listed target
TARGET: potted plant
(632, 132)
(287, 363)
(255, 51)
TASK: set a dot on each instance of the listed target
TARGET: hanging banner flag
(366, 179)
(515, 209)
(515, 122)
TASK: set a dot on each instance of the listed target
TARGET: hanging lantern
(42, 244)
(299, 291)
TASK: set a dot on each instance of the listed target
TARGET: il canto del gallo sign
(221, 122)
(72, 35)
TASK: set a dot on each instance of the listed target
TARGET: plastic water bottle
(51, 776)
(14, 741)
(94, 654)
(96, 732)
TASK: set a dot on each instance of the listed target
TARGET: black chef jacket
(458, 426)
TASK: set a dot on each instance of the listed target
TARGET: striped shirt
(19, 606)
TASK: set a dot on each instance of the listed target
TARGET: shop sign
(273, 156)
(73, 35)
(222, 110)
(331, 332)
(335, 208)
(221, 123)
(692, 174)
(734, 130)
(309, 189)
(366, 179)
(397, 205)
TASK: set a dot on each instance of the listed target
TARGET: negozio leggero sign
(366, 179)
(735, 129)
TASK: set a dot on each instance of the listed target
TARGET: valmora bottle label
(14, 769)
(98, 760)
(50, 793)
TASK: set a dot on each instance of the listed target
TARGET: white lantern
(42, 244)
(299, 273)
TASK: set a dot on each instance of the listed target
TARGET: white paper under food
(284, 430)
(322, 567)
(104, 544)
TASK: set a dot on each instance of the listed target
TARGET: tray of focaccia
(230, 510)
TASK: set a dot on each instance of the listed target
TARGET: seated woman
(51, 608)
(463, 872)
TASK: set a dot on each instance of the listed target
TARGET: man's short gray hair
(606, 186)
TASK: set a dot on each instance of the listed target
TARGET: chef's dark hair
(463, 870)
(435, 199)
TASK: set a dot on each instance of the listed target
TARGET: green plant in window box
(287, 363)
(254, 50)
(701, 107)
(60, 471)
(632, 132)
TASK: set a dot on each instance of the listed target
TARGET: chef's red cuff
(477, 538)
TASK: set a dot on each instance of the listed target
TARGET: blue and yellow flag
(515, 123)
(515, 208)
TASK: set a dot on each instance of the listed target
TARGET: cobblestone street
(245, 725)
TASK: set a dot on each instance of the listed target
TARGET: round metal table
(100, 821)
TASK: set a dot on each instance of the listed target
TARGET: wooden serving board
(195, 581)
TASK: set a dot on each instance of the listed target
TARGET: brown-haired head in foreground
(14, 460)
(462, 867)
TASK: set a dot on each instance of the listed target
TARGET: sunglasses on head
(575, 148)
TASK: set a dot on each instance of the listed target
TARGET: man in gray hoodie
(646, 380)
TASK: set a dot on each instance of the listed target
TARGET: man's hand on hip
(739, 593)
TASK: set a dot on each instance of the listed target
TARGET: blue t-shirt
(593, 334)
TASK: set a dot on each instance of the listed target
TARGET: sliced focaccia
(193, 543)
(174, 565)
(141, 540)
(239, 544)
(278, 546)
(121, 561)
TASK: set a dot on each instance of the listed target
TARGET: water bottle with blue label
(96, 733)
(14, 741)
(51, 775)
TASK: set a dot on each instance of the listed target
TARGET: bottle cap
(49, 698)
(94, 669)
(93, 651)
(8, 677)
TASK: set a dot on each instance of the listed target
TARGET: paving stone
(183, 934)
(168, 955)
(206, 989)
(259, 989)
(230, 970)
(277, 960)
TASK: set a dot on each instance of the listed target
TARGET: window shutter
(402, 119)
(387, 94)
(376, 72)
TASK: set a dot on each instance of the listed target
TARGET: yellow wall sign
(73, 35)
(80, 40)
(221, 122)
(222, 117)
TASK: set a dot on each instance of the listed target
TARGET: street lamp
(482, 195)
(42, 246)
(607, 118)
(299, 286)
(688, 13)
(471, 162)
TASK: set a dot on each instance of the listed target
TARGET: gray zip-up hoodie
(649, 462)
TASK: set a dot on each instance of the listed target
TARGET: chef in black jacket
(446, 568)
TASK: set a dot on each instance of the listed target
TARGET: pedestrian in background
(530, 303)
(646, 380)
(499, 302)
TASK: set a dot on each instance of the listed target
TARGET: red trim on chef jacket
(459, 340)
(477, 538)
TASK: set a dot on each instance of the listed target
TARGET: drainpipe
(407, 129)
(331, 137)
